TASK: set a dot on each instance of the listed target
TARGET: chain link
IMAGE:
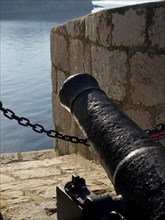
(40, 129)
(157, 128)
(55, 134)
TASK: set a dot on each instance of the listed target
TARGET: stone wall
(124, 49)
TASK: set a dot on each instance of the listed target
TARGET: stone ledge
(26, 156)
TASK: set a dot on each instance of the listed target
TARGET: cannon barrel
(134, 163)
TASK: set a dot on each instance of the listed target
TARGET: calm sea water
(26, 75)
(26, 79)
(26, 82)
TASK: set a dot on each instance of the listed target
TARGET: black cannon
(132, 160)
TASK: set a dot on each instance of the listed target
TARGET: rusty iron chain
(40, 129)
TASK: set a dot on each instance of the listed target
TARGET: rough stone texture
(60, 29)
(28, 187)
(124, 49)
(60, 56)
(75, 28)
(87, 58)
(158, 26)
(61, 122)
(61, 77)
(161, 117)
(98, 27)
(142, 118)
(129, 27)
(54, 79)
(26, 156)
(76, 58)
(91, 28)
(148, 75)
(110, 71)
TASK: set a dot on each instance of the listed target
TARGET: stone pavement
(28, 182)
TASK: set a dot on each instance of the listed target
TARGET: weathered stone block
(109, 68)
(76, 58)
(6, 179)
(148, 75)
(161, 117)
(64, 148)
(87, 58)
(91, 28)
(6, 158)
(54, 79)
(129, 28)
(64, 124)
(59, 51)
(88, 152)
(61, 77)
(60, 29)
(105, 29)
(38, 172)
(76, 28)
(157, 30)
(98, 44)
(38, 155)
(98, 28)
(140, 117)
(61, 116)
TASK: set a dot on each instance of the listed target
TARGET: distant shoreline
(16, 9)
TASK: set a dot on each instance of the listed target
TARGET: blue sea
(26, 73)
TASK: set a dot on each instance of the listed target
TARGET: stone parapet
(124, 49)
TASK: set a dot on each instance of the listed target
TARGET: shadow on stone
(1, 217)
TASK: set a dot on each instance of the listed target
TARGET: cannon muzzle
(133, 161)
